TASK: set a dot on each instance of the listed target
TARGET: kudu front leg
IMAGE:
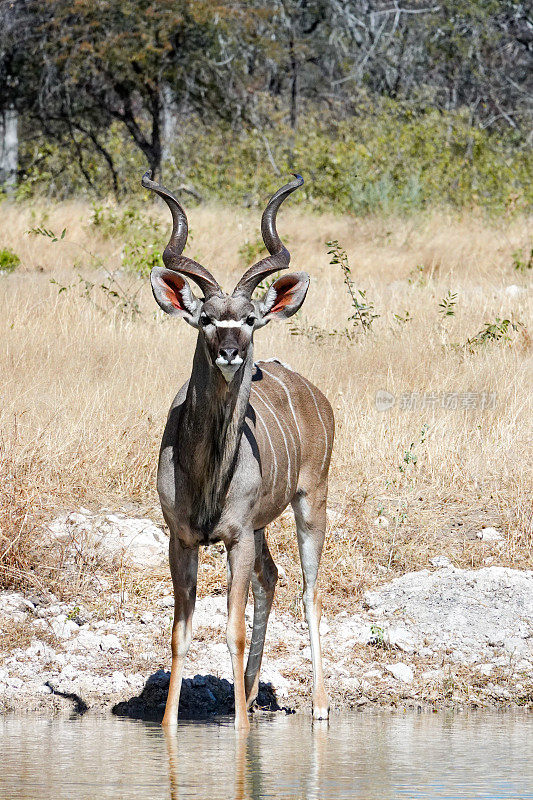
(184, 569)
(241, 556)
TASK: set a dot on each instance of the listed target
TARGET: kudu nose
(229, 353)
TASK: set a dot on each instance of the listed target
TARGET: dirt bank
(436, 636)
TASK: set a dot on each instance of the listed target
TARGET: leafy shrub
(9, 260)
(389, 157)
(252, 250)
(522, 262)
(143, 236)
(498, 331)
(447, 305)
(363, 310)
(141, 255)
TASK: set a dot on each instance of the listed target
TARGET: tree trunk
(294, 86)
(168, 123)
(9, 147)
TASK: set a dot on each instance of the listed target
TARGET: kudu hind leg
(264, 579)
(184, 568)
(310, 514)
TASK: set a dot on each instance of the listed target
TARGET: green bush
(389, 157)
(144, 236)
(9, 260)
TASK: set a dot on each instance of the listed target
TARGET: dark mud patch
(202, 697)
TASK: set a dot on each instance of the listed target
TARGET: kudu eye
(250, 320)
(205, 319)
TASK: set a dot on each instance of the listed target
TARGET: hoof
(320, 712)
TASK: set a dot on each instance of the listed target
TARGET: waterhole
(366, 756)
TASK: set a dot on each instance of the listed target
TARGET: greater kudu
(242, 441)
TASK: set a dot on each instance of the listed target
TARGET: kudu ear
(173, 294)
(284, 297)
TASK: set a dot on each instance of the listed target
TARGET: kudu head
(227, 322)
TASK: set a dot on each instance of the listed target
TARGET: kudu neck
(208, 390)
(211, 427)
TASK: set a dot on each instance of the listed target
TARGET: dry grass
(86, 392)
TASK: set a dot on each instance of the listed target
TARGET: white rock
(135, 541)
(371, 599)
(441, 562)
(167, 601)
(62, 627)
(86, 640)
(333, 514)
(68, 673)
(110, 642)
(38, 649)
(353, 630)
(467, 612)
(147, 617)
(485, 669)
(516, 646)
(490, 535)
(14, 605)
(59, 529)
(513, 290)
(351, 684)
(138, 541)
(381, 522)
(119, 681)
(77, 519)
(55, 609)
(402, 638)
(281, 685)
(401, 671)
(210, 612)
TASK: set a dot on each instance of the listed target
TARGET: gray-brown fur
(242, 441)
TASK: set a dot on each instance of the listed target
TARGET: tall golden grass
(86, 387)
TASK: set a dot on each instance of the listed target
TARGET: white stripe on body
(288, 427)
(259, 417)
(289, 399)
(269, 407)
(289, 430)
(319, 416)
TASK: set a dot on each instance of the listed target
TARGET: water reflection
(250, 779)
(371, 757)
(359, 756)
